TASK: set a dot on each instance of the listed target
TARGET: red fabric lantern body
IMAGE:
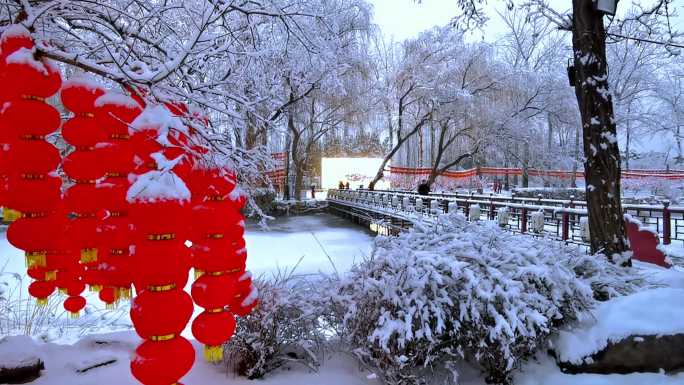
(161, 313)
(74, 305)
(30, 187)
(83, 166)
(162, 362)
(218, 256)
(158, 208)
(213, 328)
(113, 113)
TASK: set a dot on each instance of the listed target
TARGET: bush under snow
(286, 327)
(430, 298)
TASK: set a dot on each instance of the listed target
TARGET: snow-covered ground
(316, 243)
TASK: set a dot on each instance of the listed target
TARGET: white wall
(356, 171)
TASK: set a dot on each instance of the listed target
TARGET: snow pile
(657, 311)
(432, 297)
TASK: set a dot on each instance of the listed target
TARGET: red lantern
(74, 305)
(13, 38)
(114, 112)
(31, 118)
(41, 290)
(162, 362)
(75, 287)
(213, 329)
(108, 296)
(246, 298)
(212, 291)
(161, 312)
(79, 94)
(28, 78)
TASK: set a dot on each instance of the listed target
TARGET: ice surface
(290, 239)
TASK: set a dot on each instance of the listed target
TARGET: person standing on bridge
(424, 187)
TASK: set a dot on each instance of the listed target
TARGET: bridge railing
(563, 219)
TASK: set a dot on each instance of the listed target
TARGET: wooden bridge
(388, 212)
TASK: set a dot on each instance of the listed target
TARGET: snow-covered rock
(658, 311)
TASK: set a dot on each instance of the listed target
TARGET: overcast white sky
(407, 18)
(404, 19)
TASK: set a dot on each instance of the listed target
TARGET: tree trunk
(400, 142)
(299, 178)
(602, 164)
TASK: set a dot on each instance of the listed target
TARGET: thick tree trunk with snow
(602, 156)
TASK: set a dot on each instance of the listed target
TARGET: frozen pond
(311, 243)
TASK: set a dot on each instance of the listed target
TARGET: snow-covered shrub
(431, 297)
(286, 327)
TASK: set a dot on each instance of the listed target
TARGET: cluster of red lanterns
(131, 206)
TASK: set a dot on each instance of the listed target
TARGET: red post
(667, 223)
(523, 220)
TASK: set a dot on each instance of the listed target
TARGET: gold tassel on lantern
(9, 215)
(35, 259)
(42, 302)
(74, 314)
(198, 273)
(51, 275)
(95, 288)
(124, 293)
(88, 255)
(213, 354)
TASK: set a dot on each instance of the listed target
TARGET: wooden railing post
(466, 208)
(523, 220)
(667, 223)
